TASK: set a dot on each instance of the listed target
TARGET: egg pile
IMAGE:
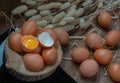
(43, 49)
(37, 46)
(101, 53)
(112, 39)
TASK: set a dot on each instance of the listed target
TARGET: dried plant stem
(106, 70)
(103, 40)
(114, 17)
(75, 44)
(117, 55)
(8, 19)
(38, 4)
(23, 20)
(92, 30)
(99, 30)
(77, 2)
(100, 4)
(67, 58)
(3, 14)
(106, 67)
(77, 37)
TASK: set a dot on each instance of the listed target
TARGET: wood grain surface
(6, 6)
(72, 68)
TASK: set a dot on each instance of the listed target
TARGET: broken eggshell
(45, 39)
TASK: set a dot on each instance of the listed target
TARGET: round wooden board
(15, 65)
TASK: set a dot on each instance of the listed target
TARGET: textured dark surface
(59, 76)
(7, 5)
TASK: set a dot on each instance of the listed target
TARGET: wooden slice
(15, 65)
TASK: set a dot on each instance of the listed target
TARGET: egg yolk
(30, 43)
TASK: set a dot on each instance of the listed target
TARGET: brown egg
(33, 62)
(62, 35)
(112, 38)
(88, 68)
(51, 32)
(29, 28)
(29, 43)
(38, 50)
(103, 56)
(14, 41)
(94, 41)
(80, 54)
(104, 19)
(49, 55)
(114, 72)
